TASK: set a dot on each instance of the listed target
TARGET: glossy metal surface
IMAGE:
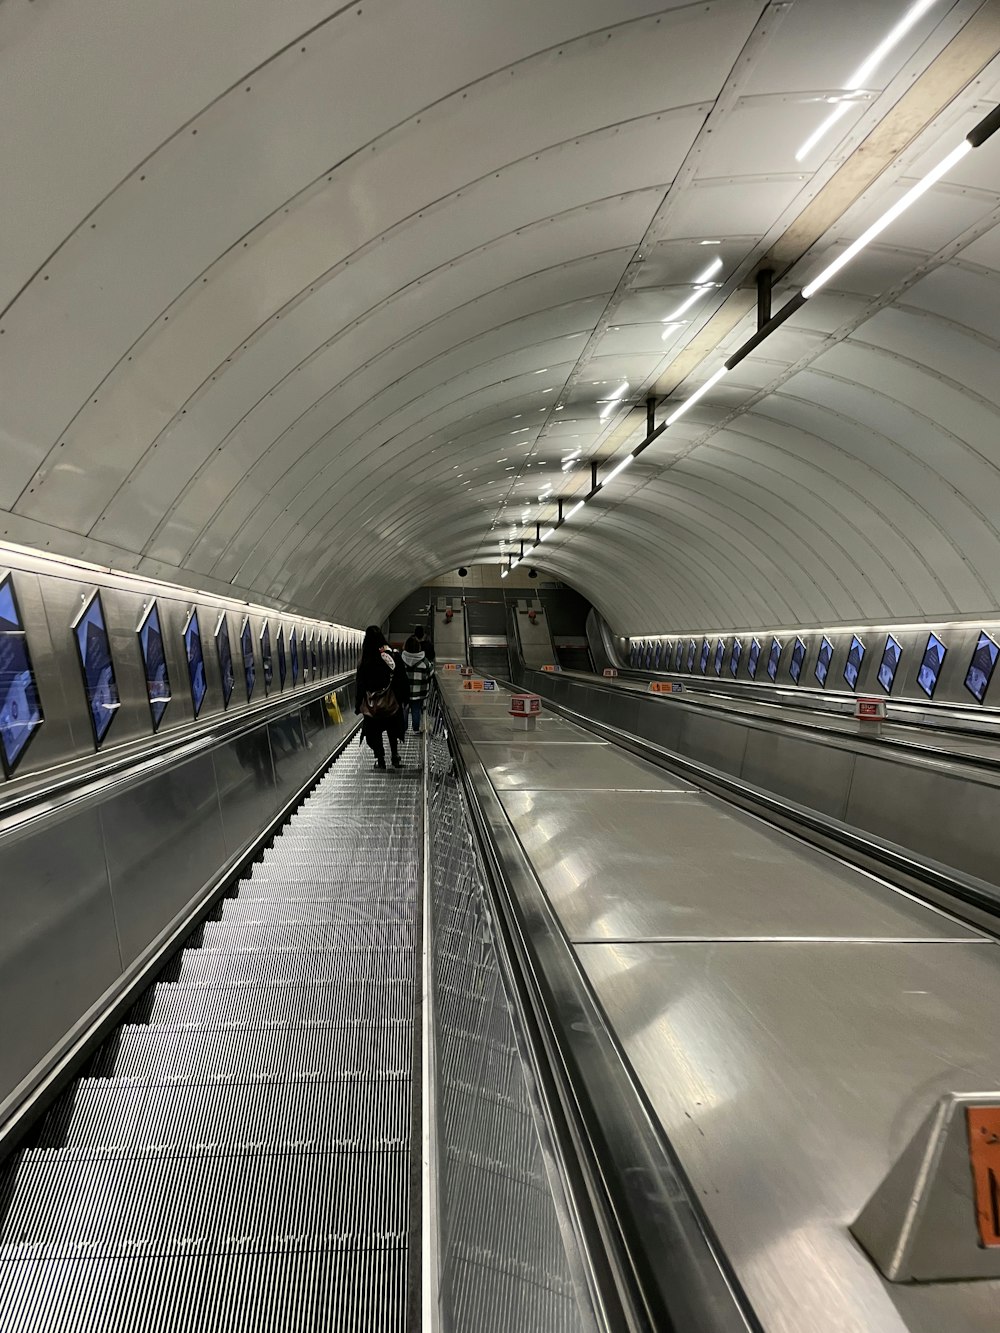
(566, 764)
(635, 865)
(88, 889)
(790, 1019)
(789, 1076)
(940, 806)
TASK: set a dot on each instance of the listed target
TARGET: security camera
(462, 572)
(532, 573)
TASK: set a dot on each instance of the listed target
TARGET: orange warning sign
(984, 1157)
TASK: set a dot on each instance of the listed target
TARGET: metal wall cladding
(503, 1260)
(959, 639)
(89, 889)
(51, 593)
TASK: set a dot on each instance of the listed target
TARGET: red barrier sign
(611, 671)
(525, 705)
(870, 710)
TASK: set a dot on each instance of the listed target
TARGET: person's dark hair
(412, 645)
(374, 640)
(418, 633)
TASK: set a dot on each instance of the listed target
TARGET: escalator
(242, 1147)
(366, 1094)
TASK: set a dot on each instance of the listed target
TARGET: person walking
(381, 693)
(426, 643)
(418, 673)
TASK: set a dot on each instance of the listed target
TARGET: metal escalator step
(260, 967)
(296, 1291)
(306, 936)
(353, 883)
(105, 1118)
(330, 1052)
(185, 1205)
(291, 1003)
(272, 911)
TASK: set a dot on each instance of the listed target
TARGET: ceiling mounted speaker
(532, 573)
(462, 572)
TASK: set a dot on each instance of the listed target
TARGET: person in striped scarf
(418, 673)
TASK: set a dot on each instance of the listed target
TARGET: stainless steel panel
(716, 741)
(952, 818)
(788, 1078)
(548, 727)
(58, 943)
(686, 866)
(244, 776)
(570, 765)
(805, 771)
(163, 840)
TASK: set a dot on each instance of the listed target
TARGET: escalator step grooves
(238, 1155)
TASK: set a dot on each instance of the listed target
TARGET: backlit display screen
(154, 661)
(692, 649)
(94, 650)
(753, 658)
(890, 661)
(823, 660)
(195, 662)
(678, 654)
(734, 657)
(312, 654)
(930, 665)
(720, 652)
(773, 658)
(20, 706)
(246, 645)
(797, 660)
(852, 667)
(706, 648)
(658, 655)
(293, 649)
(267, 665)
(648, 657)
(282, 663)
(984, 659)
(222, 647)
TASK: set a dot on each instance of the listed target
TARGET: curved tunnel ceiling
(315, 301)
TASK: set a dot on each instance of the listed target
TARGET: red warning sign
(984, 1158)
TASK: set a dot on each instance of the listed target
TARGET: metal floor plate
(642, 865)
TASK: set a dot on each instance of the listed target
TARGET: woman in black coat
(381, 693)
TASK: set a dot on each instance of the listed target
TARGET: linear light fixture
(863, 73)
(615, 398)
(889, 216)
(977, 136)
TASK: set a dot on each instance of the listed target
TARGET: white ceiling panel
(312, 302)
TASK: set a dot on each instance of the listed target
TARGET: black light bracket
(765, 281)
(650, 414)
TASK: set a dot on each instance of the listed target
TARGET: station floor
(791, 1019)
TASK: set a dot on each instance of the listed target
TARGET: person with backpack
(426, 644)
(381, 693)
(418, 673)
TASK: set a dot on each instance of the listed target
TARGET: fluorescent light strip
(619, 467)
(576, 509)
(700, 392)
(865, 70)
(889, 216)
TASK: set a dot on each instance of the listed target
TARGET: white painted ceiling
(312, 301)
